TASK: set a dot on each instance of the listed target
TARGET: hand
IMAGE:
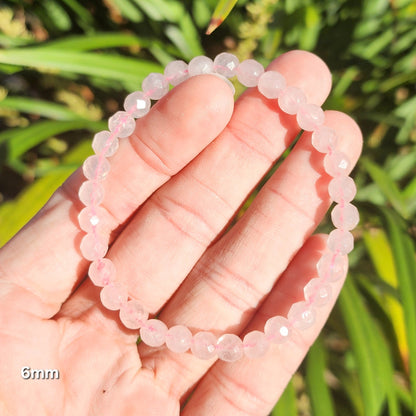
(174, 187)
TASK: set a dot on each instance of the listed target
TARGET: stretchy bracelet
(331, 267)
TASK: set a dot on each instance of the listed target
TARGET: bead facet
(324, 139)
(342, 189)
(203, 345)
(340, 241)
(122, 124)
(317, 292)
(155, 86)
(91, 193)
(92, 218)
(104, 143)
(336, 164)
(200, 65)
(176, 72)
(229, 348)
(249, 71)
(153, 333)
(277, 329)
(114, 296)
(310, 116)
(226, 64)
(271, 83)
(290, 98)
(332, 266)
(345, 216)
(102, 272)
(255, 344)
(137, 104)
(178, 338)
(96, 168)
(132, 314)
(93, 246)
(301, 315)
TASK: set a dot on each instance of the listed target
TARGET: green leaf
(222, 10)
(286, 406)
(57, 14)
(128, 10)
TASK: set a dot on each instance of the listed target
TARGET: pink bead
(105, 143)
(345, 216)
(93, 247)
(102, 272)
(342, 189)
(255, 344)
(229, 348)
(91, 218)
(271, 83)
(301, 315)
(310, 116)
(317, 292)
(204, 345)
(96, 168)
(114, 296)
(200, 65)
(122, 124)
(340, 241)
(132, 314)
(332, 267)
(155, 86)
(324, 139)
(336, 164)
(249, 72)
(277, 329)
(178, 338)
(176, 72)
(290, 98)
(226, 64)
(91, 193)
(137, 104)
(153, 333)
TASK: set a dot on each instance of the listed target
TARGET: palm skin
(174, 186)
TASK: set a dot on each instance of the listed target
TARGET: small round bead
(153, 333)
(178, 338)
(92, 218)
(96, 168)
(155, 86)
(342, 189)
(317, 292)
(102, 272)
(200, 65)
(345, 216)
(336, 164)
(255, 344)
(176, 72)
(324, 139)
(203, 345)
(271, 83)
(249, 72)
(290, 98)
(226, 64)
(91, 193)
(301, 315)
(310, 116)
(93, 247)
(105, 143)
(340, 241)
(332, 266)
(229, 348)
(122, 124)
(137, 104)
(132, 314)
(114, 296)
(277, 329)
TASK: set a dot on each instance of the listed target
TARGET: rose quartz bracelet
(331, 267)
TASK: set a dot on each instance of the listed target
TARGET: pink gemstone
(137, 104)
(324, 139)
(317, 292)
(114, 296)
(332, 267)
(96, 167)
(336, 164)
(200, 65)
(345, 216)
(132, 314)
(249, 72)
(290, 98)
(176, 72)
(229, 348)
(91, 218)
(203, 345)
(226, 64)
(301, 315)
(178, 338)
(277, 329)
(342, 189)
(153, 333)
(105, 144)
(271, 83)
(255, 344)
(122, 124)
(310, 116)
(340, 241)
(93, 246)
(91, 193)
(155, 86)
(102, 272)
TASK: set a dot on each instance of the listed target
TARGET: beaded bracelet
(331, 267)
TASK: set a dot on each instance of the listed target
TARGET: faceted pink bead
(271, 83)
(336, 164)
(226, 64)
(317, 292)
(153, 333)
(137, 104)
(122, 124)
(340, 241)
(96, 168)
(93, 246)
(204, 345)
(155, 86)
(310, 116)
(176, 72)
(229, 347)
(345, 216)
(114, 296)
(342, 189)
(332, 266)
(132, 314)
(277, 329)
(301, 315)
(255, 344)
(106, 143)
(290, 98)
(102, 272)
(324, 139)
(91, 193)
(200, 65)
(91, 218)
(249, 72)
(178, 338)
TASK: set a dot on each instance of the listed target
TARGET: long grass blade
(286, 406)
(222, 10)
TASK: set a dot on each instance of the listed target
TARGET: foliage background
(66, 64)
